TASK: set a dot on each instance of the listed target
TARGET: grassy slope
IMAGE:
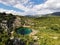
(49, 30)
(48, 27)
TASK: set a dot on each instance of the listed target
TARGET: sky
(29, 7)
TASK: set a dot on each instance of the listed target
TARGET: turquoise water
(23, 30)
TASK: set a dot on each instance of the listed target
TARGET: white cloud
(48, 7)
(11, 11)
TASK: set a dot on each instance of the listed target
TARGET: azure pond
(23, 30)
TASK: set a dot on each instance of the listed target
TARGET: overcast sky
(29, 7)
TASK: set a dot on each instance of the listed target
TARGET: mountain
(56, 13)
(46, 15)
(35, 16)
(52, 14)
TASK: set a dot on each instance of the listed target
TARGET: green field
(48, 31)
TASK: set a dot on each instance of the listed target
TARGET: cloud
(29, 8)
(21, 4)
(11, 11)
(48, 7)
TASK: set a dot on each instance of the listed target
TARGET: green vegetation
(48, 30)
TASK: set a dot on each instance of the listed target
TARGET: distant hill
(33, 16)
(56, 13)
(46, 15)
(52, 14)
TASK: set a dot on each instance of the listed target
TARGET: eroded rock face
(10, 23)
(17, 22)
(15, 41)
(6, 22)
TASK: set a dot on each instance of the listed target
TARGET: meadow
(48, 31)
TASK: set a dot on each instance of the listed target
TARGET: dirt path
(33, 32)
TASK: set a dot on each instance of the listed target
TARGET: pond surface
(23, 30)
